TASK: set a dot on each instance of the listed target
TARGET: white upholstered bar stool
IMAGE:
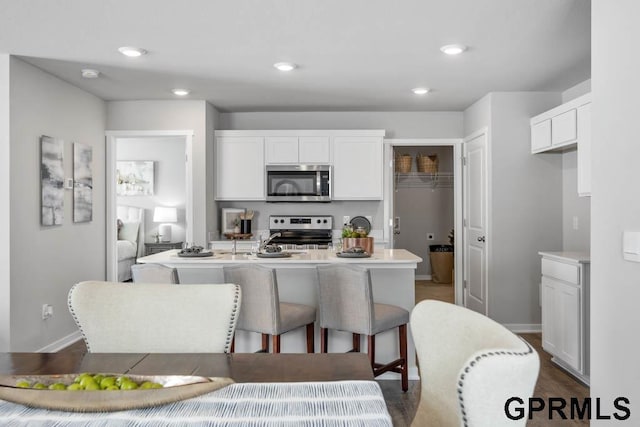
(154, 273)
(346, 304)
(262, 310)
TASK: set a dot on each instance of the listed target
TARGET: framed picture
(134, 178)
(51, 181)
(230, 218)
(82, 183)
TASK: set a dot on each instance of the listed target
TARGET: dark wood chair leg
(356, 343)
(371, 350)
(233, 344)
(310, 338)
(404, 373)
(265, 343)
(276, 343)
(324, 335)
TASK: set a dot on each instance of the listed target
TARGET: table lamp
(165, 216)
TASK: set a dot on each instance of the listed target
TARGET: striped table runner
(340, 403)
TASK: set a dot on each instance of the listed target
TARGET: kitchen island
(392, 275)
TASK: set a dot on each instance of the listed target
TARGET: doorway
(170, 151)
(424, 207)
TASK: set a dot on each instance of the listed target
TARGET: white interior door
(475, 222)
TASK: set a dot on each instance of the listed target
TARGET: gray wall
(424, 209)
(174, 115)
(574, 206)
(580, 89)
(615, 205)
(169, 183)
(397, 124)
(47, 261)
(5, 196)
(525, 194)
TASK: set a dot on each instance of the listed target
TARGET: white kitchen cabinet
(355, 155)
(584, 150)
(297, 150)
(557, 129)
(563, 128)
(357, 168)
(565, 310)
(240, 170)
(567, 127)
(541, 135)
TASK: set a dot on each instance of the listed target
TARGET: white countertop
(395, 257)
(583, 257)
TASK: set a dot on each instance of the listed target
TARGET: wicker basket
(427, 163)
(403, 163)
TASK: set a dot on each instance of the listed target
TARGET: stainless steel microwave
(298, 183)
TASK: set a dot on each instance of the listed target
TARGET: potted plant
(356, 238)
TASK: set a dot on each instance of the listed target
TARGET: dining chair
(155, 318)
(469, 367)
(263, 312)
(154, 273)
(347, 304)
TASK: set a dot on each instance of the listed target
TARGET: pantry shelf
(424, 180)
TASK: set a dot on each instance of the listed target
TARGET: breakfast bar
(392, 276)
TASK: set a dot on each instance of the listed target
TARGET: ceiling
(353, 55)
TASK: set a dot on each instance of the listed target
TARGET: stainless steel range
(301, 231)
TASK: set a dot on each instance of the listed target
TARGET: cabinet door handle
(481, 239)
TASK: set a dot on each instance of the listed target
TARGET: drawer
(559, 270)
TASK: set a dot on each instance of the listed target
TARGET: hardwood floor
(552, 381)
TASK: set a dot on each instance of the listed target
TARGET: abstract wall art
(51, 181)
(82, 183)
(134, 178)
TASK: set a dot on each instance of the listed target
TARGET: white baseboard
(413, 375)
(523, 328)
(61, 343)
(423, 277)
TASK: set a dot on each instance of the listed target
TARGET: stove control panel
(294, 222)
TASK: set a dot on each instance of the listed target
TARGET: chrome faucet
(267, 240)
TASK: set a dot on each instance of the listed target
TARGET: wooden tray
(176, 387)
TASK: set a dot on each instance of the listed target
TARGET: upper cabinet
(297, 150)
(357, 168)
(355, 157)
(558, 128)
(567, 126)
(240, 168)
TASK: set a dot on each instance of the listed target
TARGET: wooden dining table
(340, 380)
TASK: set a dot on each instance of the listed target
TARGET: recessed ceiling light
(132, 51)
(181, 92)
(453, 49)
(285, 66)
(89, 73)
(420, 90)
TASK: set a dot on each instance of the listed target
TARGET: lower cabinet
(565, 311)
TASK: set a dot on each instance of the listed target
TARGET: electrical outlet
(430, 236)
(47, 311)
(345, 219)
(575, 222)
